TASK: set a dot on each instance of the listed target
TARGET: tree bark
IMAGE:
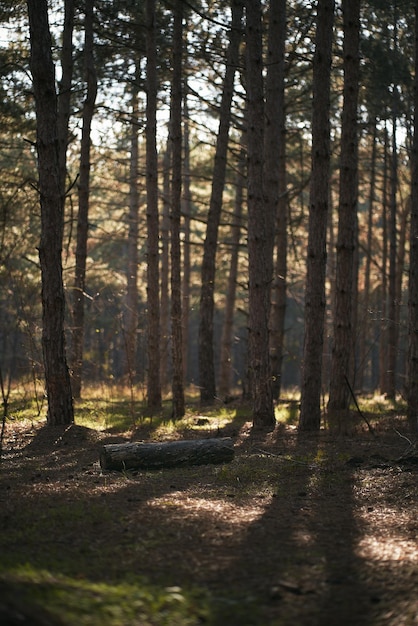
(225, 369)
(131, 456)
(165, 342)
(153, 231)
(57, 377)
(260, 230)
(131, 314)
(275, 179)
(176, 188)
(83, 204)
(383, 345)
(65, 86)
(315, 301)
(187, 215)
(412, 376)
(364, 326)
(342, 351)
(207, 381)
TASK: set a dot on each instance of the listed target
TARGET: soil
(313, 530)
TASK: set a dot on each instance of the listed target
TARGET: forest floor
(295, 531)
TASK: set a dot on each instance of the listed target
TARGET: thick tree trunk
(315, 302)
(131, 456)
(342, 351)
(260, 230)
(57, 377)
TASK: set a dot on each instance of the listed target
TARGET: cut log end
(157, 455)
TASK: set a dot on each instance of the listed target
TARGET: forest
(177, 272)
(208, 312)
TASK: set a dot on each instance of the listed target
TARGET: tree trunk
(65, 85)
(165, 270)
(207, 381)
(260, 230)
(176, 187)
(131, 315)
(383, 346)
(342, 351)
(393, 306)
(275, 179)
(315, 301)
(187, 210)
(225, 374)
(83, 204)
(57, 377)
(364, 326)
(412, 375)
(131, 456)
(153, 275)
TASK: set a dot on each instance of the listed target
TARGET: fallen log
(129, 456)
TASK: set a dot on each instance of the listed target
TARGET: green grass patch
(131, 602)
(82, 602)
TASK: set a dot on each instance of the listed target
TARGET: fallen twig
(371, 429)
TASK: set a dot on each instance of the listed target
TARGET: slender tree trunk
(153, 231)
(275, 178)
(83, 204)
(383, 348)
(165, 268)
(225, 374)
(176, 188)
(364, 326)
(57, 377)
(315, 301)
(65, 85)
(131, 314)
(187, 209)
(412, 376)
(342, 351)
(206, 352)
(260, 229)
(393, 244)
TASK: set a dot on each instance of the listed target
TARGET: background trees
(130, 85)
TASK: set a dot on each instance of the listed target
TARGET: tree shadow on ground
(298, 558)
(269, 539)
